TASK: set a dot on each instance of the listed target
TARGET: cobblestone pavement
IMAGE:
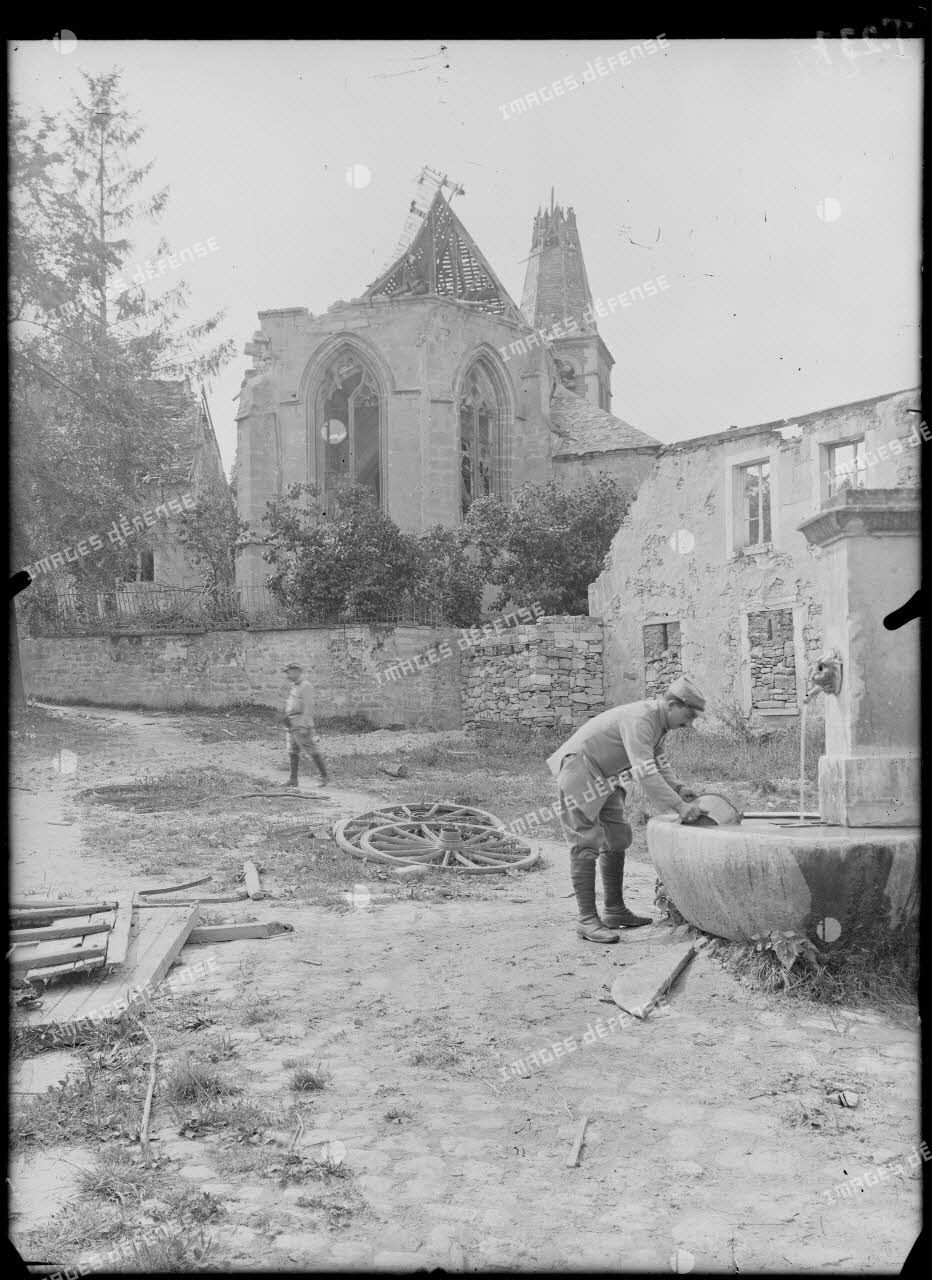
(712, 1142)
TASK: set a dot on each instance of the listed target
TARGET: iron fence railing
(149, 607)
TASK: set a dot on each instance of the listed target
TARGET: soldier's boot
(615, 915)
(293, 757)
(582, 874)
(321, 767)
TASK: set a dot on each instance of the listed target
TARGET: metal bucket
(717, 811)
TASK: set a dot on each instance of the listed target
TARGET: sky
(774, 183)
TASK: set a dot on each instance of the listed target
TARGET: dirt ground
(712, 1144)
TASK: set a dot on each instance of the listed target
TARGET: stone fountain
(855, 871)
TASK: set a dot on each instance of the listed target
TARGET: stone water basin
(832, 884)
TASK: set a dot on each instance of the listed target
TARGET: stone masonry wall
(548, 673)
(773, 658)
(663, 656)
(219, 668)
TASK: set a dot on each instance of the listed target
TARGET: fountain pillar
(869, 775)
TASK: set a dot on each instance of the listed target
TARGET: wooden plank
(238, 896)
(156, 938)
(60, 970)
(572, 1160)
(54, 932)
(61, 913)
(118, 942)
(25, 957)
(642, 984)
(28, 903)
(174, 888)
(234, 932)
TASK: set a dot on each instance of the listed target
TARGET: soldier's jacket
(300, 706)
(623, 740)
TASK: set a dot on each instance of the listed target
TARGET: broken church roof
(585, 428)
(443, 259)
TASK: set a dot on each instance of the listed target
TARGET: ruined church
(433, 387)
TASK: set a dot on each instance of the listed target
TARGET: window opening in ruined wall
(754, 489)
(350, 427)
(663, 661)
(773, 660)
(479, 431)
(846, 466)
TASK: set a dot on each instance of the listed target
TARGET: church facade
(434, 388)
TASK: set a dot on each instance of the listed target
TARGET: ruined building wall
(677, 559)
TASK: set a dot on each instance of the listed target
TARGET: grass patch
(882, 974)
(118, 1179)
(195, 1082)
(99, 1105)
(768, 762)
(305, 1078)
(177, 789)
(358, 722)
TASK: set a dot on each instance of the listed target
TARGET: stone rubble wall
(661, 665)
(547, 673)
(773, 658)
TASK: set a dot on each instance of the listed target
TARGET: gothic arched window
(350, 426)
(479, 431)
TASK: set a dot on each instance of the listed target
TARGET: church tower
(556, 288)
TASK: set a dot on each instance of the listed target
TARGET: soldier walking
(300, 721)
(621, 743)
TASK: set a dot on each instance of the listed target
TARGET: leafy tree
(90, 420)
(353, 562)
(450, 576)
(213, 533)
(549, 544)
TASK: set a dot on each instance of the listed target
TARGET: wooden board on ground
(643, 983)
(238, 896)
(43, 955)
(30, 915)
(51, 932)
(156, 938)
(176, 888)
(118, 942)
(234, 932)
(59, 970)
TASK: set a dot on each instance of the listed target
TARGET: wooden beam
(175, 888)
(207, 900)
(643, 983)
(24, 957)
(60, 912)
(251, 876)
(54, 932)
(60, 970)
(572, 1160)
(234, 932)
(118, 942)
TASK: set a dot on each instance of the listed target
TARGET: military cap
(687, 693)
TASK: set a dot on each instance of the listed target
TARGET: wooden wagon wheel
(468, 847)
(348, 831)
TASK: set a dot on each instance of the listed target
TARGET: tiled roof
(585, 428)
